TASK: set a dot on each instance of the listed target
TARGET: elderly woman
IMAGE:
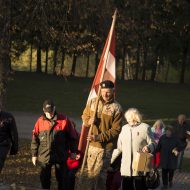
(134, 137)
(158, 130)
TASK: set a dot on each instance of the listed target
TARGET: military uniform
(106, 127)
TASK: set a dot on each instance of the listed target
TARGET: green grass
(27, 91)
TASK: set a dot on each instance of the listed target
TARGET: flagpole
(98, 95)
(109, 43)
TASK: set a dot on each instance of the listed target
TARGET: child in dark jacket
(169, 147)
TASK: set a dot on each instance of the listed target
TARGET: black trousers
(60, 173)
(3, 154)
(71, 179)
(134, 183)
(167, 176)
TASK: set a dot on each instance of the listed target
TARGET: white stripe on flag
(110, 66)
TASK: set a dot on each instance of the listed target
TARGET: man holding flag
(106, 126)
(102, 116)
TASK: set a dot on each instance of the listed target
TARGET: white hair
(159, 121)
(182, 116)
(133, 115)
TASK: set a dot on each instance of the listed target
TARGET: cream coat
(130, 141)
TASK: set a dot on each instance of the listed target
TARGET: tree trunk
(31, 50)
(138, 62)
(39, 59)
(183, 65)
(73, 65)
(5, 41)
(154, 69)
(123, 63)
(46, 62)
(74, 12)
(87, 65)
(167, 71)
(144, 64)
(62, 60)
(55, 59)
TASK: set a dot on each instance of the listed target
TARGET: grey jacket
(131, 140)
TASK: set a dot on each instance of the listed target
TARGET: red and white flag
(106, 68)
(106, 71)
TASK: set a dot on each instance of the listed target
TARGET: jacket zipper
(131, 152)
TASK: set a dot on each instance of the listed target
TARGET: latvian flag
(106, 68)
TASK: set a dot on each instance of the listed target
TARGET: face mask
(48, 115)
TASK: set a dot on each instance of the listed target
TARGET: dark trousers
(134, 183)
(113, 181)
(3, 154)
(60, 173)
(167, 176)
(71, 179)
(180, 160)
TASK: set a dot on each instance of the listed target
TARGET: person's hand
(175, 152)
(91, 121)
(146, 149)
(34, 160)
(93, 138)
(77, 157)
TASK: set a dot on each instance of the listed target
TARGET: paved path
(181, 181)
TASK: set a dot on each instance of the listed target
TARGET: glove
(34, 160)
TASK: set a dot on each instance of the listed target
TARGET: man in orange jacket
(53, 136)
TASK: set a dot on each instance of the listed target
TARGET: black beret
(48, 106)
(107, 84)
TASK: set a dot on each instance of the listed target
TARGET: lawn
(26, 92)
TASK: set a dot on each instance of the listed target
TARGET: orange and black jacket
(52, 139)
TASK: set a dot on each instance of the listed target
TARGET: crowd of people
(112, 147)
